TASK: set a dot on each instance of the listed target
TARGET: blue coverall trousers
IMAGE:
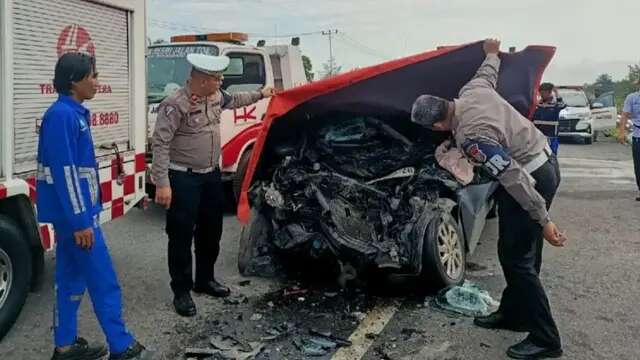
(78, 269)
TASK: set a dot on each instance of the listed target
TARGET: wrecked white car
(342, 183)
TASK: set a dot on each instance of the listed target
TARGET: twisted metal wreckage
(340, 175)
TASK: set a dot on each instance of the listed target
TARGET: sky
(592, 37)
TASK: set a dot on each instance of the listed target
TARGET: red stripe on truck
(141, 163)
(32, 189)
(3, 191)
(231, 150)
(117, 208)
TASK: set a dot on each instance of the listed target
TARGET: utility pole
(330, 33)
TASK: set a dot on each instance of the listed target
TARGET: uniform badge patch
(476, 154)
(168, 109)
(491, 157)
(83, 124)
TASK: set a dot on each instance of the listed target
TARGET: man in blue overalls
(547, 114)
(69, 198)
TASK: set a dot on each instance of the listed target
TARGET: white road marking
(590, 168)
(373, 323)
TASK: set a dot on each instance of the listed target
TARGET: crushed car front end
(345, 184)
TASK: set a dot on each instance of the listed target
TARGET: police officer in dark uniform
(186, 171)
(494, 135)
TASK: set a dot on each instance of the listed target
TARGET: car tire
(15, 273)
(238, 178)
(253, 236)
(443, 253)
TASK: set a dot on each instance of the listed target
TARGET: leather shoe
(526, 349)
(81, 349)
(497, 320)
(183, 303)
(212, 288)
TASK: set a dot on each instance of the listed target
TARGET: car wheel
(588, 140)
(254, 239)
(444, 253)
(239, 175)
(15, 273)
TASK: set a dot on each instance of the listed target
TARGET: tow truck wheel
(444, 254)
(243, 164)
(15, 273)
(589, 140)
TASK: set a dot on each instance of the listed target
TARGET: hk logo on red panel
(75, 38)
(246, 114)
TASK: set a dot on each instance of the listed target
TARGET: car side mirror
(597, 106)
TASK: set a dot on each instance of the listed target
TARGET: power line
(361, 47)
(177, 26)
(182, 27)
(285, 35)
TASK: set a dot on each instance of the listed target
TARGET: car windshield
(168, 68)
(573, 98)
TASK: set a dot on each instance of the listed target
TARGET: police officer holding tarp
(496, 136)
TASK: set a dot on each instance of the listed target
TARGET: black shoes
(135, 351)
(497, 320)
(184, 305)
(212, 288)
(80, 350)
(526, 349)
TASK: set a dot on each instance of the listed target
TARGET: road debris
(236, 300)
(429, 353)
(358, 315)
(226, 342)
(316, 347)
(309, 349)
(468, 300)
(226, 347)
(294, 291)
(338, 340)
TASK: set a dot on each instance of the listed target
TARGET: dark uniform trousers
(524, 301)
(195, 214)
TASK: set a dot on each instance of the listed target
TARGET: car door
(604, 112)
(474, 204)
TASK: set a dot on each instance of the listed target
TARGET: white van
(585, 119)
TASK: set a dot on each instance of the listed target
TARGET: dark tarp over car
(389, 89)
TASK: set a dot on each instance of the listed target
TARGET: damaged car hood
(389, 89)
